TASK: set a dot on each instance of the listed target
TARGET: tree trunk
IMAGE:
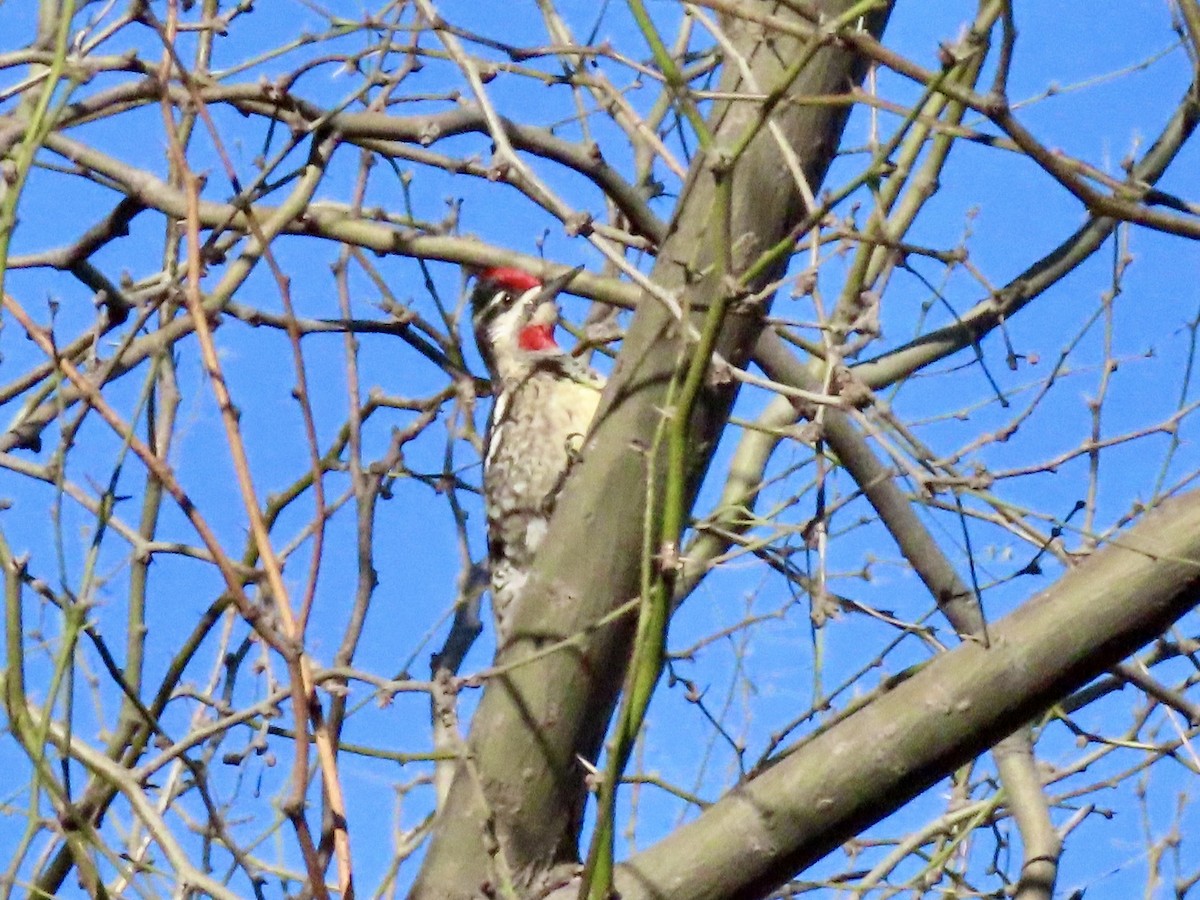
(515, 806)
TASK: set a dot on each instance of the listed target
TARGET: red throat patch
(537, 337)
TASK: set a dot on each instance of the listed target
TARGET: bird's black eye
(488, 307)
(501, 302)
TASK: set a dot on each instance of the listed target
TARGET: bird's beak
(555, 285)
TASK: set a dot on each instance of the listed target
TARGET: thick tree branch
(839, 782)
(525, 789)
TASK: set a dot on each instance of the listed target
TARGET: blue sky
(761, 676)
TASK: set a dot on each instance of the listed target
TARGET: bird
(544, 401)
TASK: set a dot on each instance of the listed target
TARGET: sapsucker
(544, 401)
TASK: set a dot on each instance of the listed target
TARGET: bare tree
(848, 588)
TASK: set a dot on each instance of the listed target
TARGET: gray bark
(828, 789)
(516, 805)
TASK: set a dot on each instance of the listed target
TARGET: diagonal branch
(988, 314)
(524, 793)
(826, 790)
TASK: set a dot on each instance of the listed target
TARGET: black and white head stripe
(498, 289)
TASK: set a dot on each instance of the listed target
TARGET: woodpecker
(544, 402)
